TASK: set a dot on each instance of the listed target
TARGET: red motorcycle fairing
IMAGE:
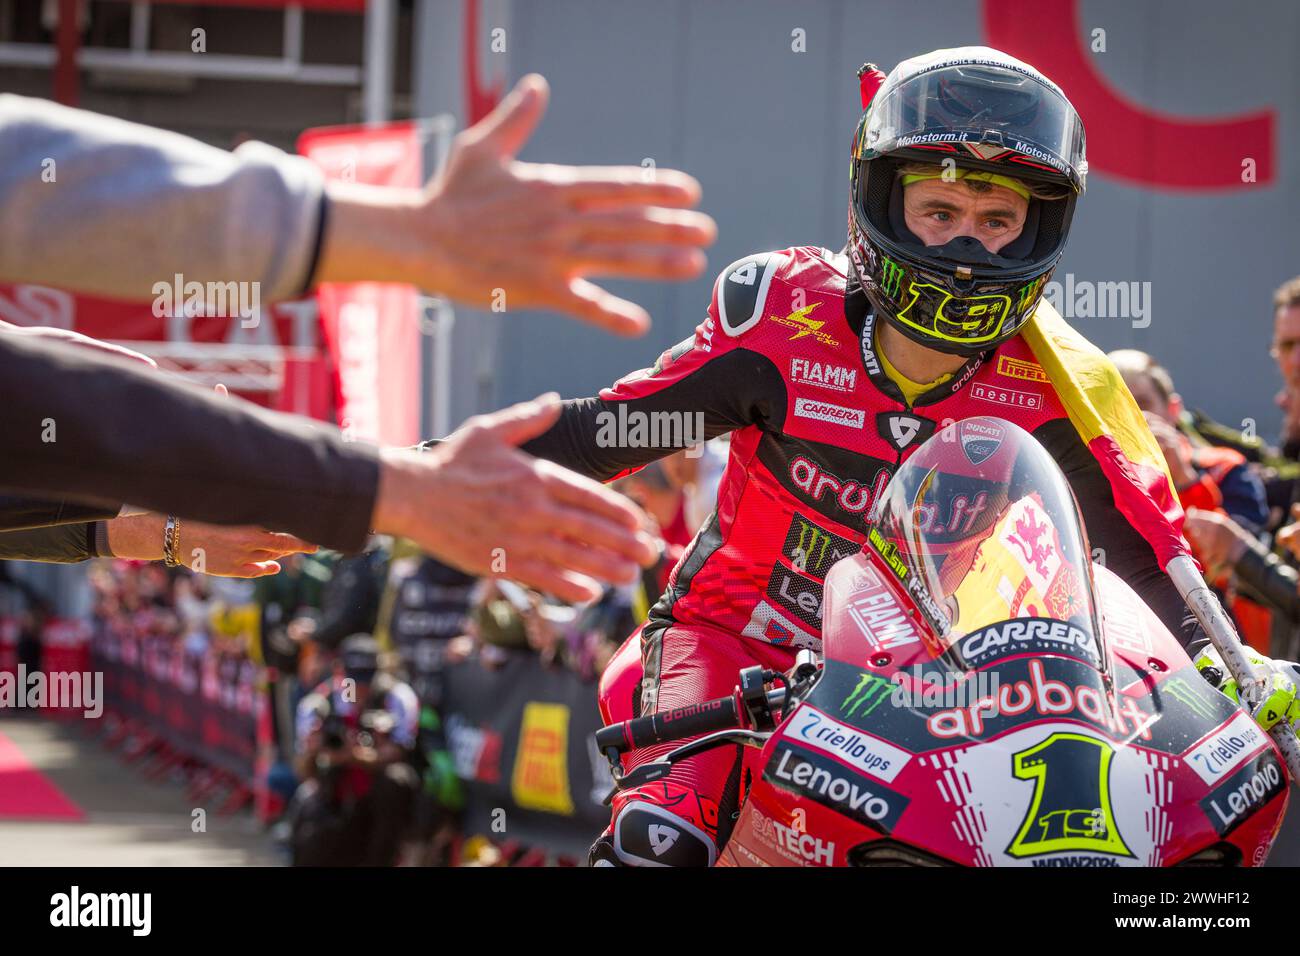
(619, 690)
(1128, 758)
(992, 697)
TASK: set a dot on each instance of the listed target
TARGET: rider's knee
(663, 824)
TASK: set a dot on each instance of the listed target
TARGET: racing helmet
(974, 112)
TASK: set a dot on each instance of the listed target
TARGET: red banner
(284, 343)
(370, 326)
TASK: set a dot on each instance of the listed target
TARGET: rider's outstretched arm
(1123, 548)
(704, 386)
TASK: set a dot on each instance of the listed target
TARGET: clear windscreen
(981, 528)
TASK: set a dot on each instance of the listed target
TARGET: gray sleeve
(107, 207)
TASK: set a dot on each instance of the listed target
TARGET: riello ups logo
(541, 775)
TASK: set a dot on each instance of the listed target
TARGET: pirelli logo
(1021, 369)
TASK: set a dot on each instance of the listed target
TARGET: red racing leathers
(785, 361)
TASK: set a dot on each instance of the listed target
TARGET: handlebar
(722, 713)
(749, 705)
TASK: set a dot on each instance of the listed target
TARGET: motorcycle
(987, 695)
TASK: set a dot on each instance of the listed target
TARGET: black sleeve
(1124, 550)
(59, 544)
(685, 399)
(103, 430)
(17, 513)
(1262, 576)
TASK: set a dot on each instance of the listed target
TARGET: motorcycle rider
(829, 369)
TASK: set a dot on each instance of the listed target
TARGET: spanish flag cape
(1108, 420)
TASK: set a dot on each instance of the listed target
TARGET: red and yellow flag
(1107, 418)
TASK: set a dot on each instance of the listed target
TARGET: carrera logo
(1028, 635)
(1007, 396)
(798, 320)
(826, 412)
(1021, 369)
(823, 374)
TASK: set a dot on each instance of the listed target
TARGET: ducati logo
(662, 838)
(902, 429)
(979, 441)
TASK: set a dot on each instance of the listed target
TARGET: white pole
(1250, 684)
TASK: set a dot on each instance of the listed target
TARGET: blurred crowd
(1241, 493)
(349, 654)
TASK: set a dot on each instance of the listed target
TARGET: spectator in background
(1217, 487)
(290, 604)
(356, 738)
(696, 472)
(425, 604)
(658, 490)
(30, 610)
(1206, 476)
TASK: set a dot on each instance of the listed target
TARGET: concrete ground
(130, 821)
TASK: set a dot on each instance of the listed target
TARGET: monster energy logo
(891, 276)
(870, 692)
(812, 549)
(1182, 692)
(1028, 293)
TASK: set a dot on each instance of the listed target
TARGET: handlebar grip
(676, 724)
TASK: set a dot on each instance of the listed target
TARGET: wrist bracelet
(171, 541)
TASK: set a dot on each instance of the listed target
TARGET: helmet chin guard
(969, 108)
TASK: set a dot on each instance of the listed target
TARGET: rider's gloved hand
(1282, 686)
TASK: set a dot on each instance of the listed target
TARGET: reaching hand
(478, 502)
(1177, 450)
(493, 232)
(1218, 540)
(226, 552)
